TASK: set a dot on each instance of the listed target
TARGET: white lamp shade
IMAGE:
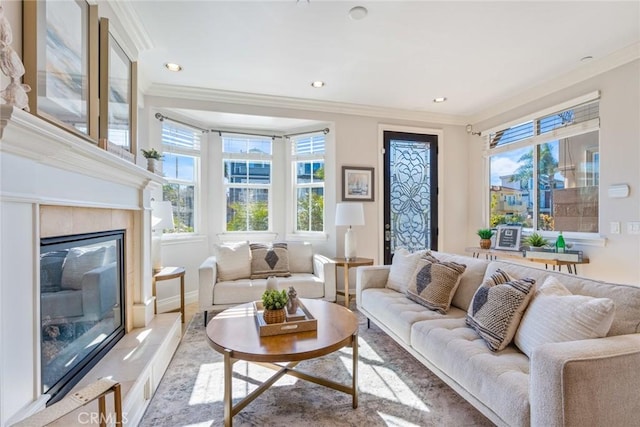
(349, 214)
(162, 216)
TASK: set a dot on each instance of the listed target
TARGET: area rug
(394, 389)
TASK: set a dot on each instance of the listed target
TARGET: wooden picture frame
(60, 42)
(118, 95)
(508, 237)
(358, 184)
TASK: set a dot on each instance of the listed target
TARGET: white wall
(619, 259)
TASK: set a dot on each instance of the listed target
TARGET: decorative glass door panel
(410, 217)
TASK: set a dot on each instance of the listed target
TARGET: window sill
(307, 237)
(180, 238)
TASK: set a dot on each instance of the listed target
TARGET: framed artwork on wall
(357, 184)
(117, 94)
(508, 237)
(60, 40)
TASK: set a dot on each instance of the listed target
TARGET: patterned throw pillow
(233, 261)
(403, 265)
(434, 283)
(269, 260)
(497, 307)
(556, 315)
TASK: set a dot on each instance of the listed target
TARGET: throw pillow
(77, 263)
(497, 307)
(556, 315)
(434, 283)
(233, 261)
(403, 265)
(300, 257)
(269, 260)
(51, 270)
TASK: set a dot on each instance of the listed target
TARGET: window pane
(309, 144)
(181, 137)
(247, 209)
(310, 209)
(573, 191)
(246, 172)
(511, 183)
(238, 144)
(512, 134)
(181, 197)
(259, 172)
(176, 166)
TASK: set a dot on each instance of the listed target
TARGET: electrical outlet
(614, 227)
(633, 227)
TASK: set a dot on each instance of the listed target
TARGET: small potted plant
(485, 237)
(274, 303)
(535, 241)
(153, 156)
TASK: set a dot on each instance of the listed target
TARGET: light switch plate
(633, 227)
(614, 227)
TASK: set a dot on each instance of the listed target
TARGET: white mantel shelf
(26, 135)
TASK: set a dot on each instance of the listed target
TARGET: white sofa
(311, 274)
(591, 382)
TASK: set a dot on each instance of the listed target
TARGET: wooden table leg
(182, 297)
(155, 299)
(228, 407)
(346, 286)
(354, 345)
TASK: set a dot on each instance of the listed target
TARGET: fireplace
(82, 312)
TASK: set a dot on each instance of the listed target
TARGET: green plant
(151, 153)
(273, 299)
(485, 233)
(535, 240)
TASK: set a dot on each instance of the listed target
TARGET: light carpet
(394, 389)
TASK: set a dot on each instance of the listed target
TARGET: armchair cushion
(269, 260)
(300, 257)
(78, 262)
(233, 261)
(403, 266)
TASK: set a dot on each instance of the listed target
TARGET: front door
(410, 192)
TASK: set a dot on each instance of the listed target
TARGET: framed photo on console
(508, 237)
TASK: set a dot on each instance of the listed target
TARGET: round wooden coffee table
(235, 334)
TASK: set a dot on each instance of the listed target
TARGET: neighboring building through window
(308, 166)
(181, 169)
(247, 172)
(544, 173)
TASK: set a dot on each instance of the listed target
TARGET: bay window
(308, 166)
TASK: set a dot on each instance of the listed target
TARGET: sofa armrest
(370, 277)
(325, 269)
(588, 382)
(98, 291)
(207, 277)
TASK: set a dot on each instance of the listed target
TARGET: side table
(168, 273)
(346, 264)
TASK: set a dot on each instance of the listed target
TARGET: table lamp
(349, 214)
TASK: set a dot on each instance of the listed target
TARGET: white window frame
(312, 157)
(591, 239)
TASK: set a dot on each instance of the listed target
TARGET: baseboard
(173, 302)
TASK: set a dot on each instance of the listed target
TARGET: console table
(495, 253)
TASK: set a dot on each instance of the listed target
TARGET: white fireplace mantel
(28, 136)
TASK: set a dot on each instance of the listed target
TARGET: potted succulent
(153, 156)
(485, 237)
(535, 241)
(274, 303)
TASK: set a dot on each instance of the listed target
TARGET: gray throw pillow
(269, 260)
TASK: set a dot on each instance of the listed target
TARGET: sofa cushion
(300, 257)
(244, 290)
(397, 312)
(471, 279)
(77, 263)
(497, 308)
(269, 260)
(233, 261)
(51, 270)
(434, 283)
(556, 315)
(498, 380)
(403, 266)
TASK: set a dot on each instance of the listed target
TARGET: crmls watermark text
(94, 418)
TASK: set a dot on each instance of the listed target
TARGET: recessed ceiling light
(439, 100)
(317, 83)
(172, 66)
(357, 13)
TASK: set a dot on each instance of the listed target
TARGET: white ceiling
(402, 55)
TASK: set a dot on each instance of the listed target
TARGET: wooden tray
(309, 323)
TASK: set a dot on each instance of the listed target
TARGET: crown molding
(596, 67)
(131, 24)
(231, 97)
